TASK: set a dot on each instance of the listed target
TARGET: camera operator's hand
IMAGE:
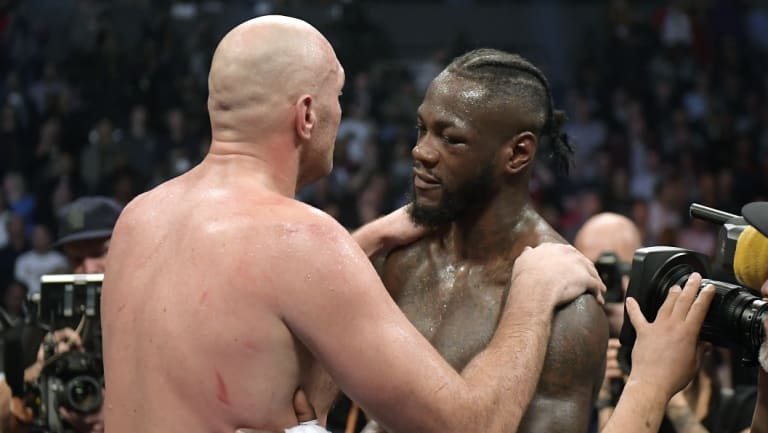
(84, 422)
(65, 339)
(665, 355)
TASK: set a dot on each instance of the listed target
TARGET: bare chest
(456, 308)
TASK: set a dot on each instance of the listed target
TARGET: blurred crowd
(667, 106)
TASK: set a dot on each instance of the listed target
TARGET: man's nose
(425, 154)
(91, 266)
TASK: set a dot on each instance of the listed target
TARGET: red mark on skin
(203, 296)
(252, 345)
(121, 308)
(221, 389)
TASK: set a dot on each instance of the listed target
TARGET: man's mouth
(423, 180)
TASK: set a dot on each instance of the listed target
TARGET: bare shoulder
(304, 239)
(573, 370)
(313, 231)
(579, 335)
(576, 352)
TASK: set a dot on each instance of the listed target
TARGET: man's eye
(452, 140)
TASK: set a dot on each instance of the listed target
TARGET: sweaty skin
(189, 261)
(451, 284)
(456, 304)
(225, 294)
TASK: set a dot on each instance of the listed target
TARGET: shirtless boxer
(225, 295)
(479, 127)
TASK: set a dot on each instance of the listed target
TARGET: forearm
(760, 419)
(387, 232)
(640, 409)
(507, 392)
(372, 237)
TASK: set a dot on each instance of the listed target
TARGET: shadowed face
(460, 133)
(87, 256)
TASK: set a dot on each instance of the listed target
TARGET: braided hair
(514, 78)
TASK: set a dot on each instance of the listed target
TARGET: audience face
(41, 239)
(15, 294)
(87, 256)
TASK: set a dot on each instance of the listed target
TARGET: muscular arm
(336, 305)
(573, 370)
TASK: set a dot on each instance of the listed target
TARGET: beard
(454, 202)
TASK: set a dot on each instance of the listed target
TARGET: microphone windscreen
(750, 262)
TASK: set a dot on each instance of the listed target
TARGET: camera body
(73, 380)
(612, 270)
(736, 315)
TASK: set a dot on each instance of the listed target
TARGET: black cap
(87, 218)
(756, 214)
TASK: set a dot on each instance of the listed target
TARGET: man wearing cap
(84, 230)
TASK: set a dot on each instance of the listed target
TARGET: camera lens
(83, 394)
(735, 317)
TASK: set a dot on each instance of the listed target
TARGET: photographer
(703, 406)
(664, 353)
(85, 229)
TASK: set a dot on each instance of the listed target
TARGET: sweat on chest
(457, 310)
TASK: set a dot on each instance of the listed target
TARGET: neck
(485, 233)
(272, 164)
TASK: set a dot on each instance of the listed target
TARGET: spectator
(39, 261)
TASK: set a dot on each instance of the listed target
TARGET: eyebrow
(446, 122)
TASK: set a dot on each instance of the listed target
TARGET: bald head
(259, 70)
(608, 232)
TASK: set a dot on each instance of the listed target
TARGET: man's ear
(519, 151)
(305, 117)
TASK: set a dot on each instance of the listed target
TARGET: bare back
(457, 305)
(190, 296)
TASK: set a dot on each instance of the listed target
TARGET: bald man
(225, 294)
(610, 232)
(603, 233)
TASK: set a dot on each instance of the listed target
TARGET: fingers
(67, 336)
(636, 316)
(669, 304)
(302, 407)
(686, 298)
(700, 307)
